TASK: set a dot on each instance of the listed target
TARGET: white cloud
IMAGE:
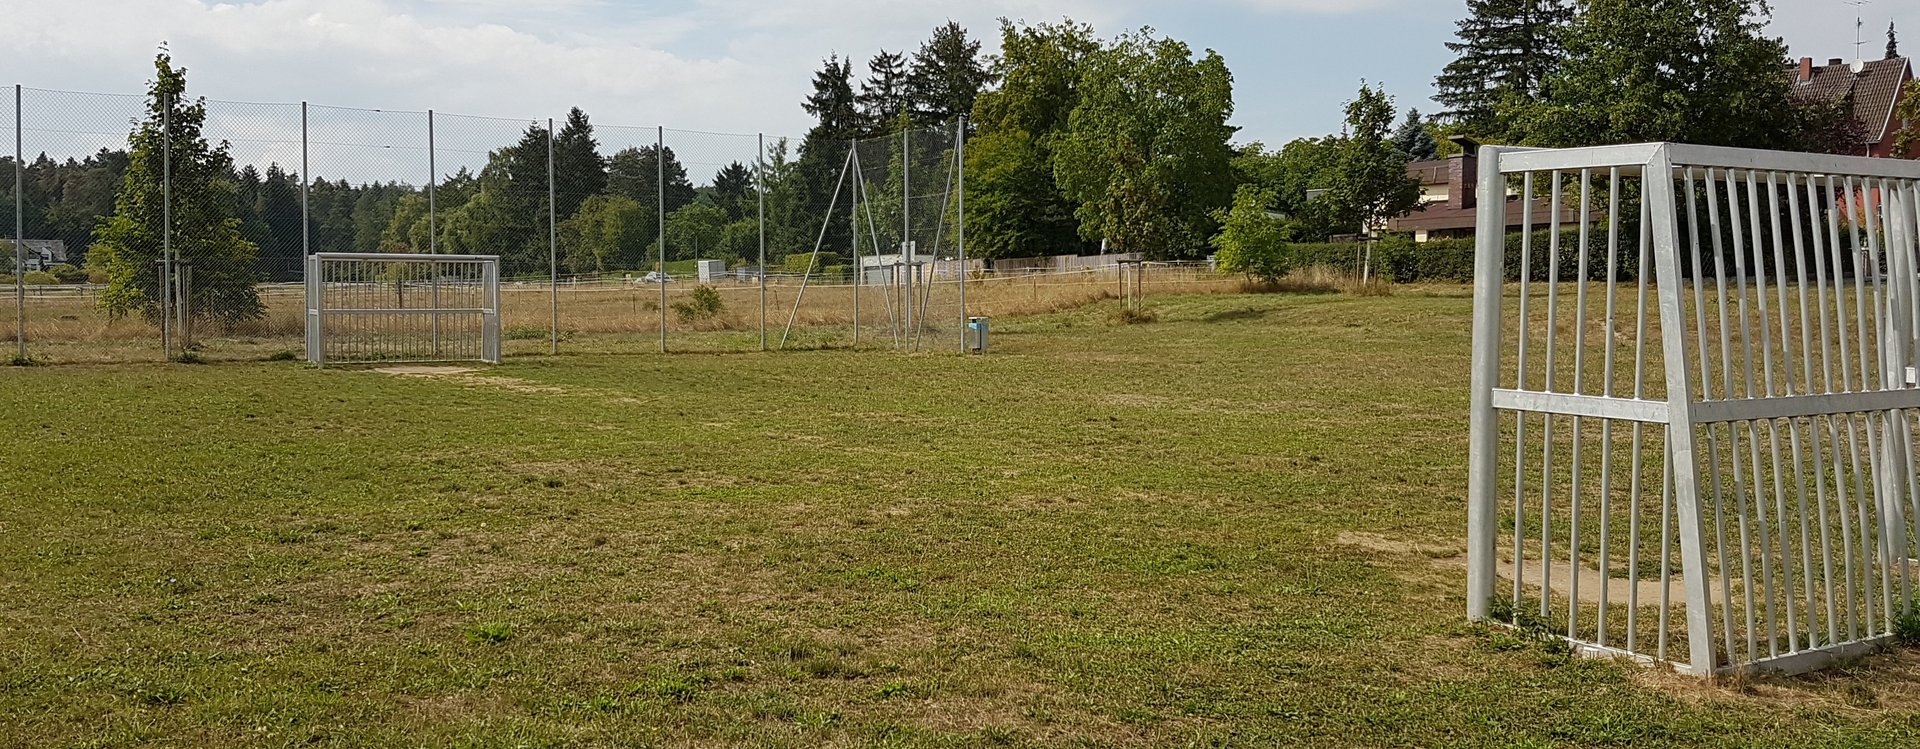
(720, 65)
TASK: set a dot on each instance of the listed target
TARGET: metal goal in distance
(381, 307)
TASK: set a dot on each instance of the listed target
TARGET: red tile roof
(1870, 93)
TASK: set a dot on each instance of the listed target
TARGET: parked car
(652, 276)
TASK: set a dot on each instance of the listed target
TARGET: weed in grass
(893, 689)
(1906, 626)
(493, 633)
(1135, 316)
(677, 688)
(20, 361)
(189, 357)
(283, 356)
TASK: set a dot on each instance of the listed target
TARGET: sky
(724, 66)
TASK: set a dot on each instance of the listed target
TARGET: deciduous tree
(204, 230)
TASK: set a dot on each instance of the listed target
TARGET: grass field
(1236, 526)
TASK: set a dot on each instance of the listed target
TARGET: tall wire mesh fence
(163, 225)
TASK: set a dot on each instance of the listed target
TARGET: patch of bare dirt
(1592, 581)
(423, 370)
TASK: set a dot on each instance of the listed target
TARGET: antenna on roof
(1858, 26)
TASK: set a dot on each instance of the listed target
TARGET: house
(41, 253)
(1449, 203)
(1869, 89)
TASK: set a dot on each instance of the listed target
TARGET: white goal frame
(393, 307)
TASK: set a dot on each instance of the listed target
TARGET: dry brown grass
(64, 325)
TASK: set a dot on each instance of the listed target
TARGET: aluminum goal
(377, 307)
(1693, 405)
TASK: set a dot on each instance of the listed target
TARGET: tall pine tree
(578, 169)
(1506, 50)
(1413, 139)
(883, 96)
(947, 75)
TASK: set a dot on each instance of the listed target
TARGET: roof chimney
(1836, 61)
(1468, 146)
(1806, 69)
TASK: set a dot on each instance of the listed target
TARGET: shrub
(40, 278)
(1251, 240)
(1400, 259)
(67, 273)
(702, 304)
(97, 276)
(799, 262)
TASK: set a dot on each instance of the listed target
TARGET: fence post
(19, 234)
(306, 178)
(1483, 445)
(553, 247)
(760, 176)
(433, 176)
(166, 225)
(853, 228)
(660, 197)
(906, 233)
(960, 156)
(1658, 187)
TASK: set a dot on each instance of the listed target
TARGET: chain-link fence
(165, 225)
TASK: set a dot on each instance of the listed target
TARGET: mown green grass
(1100, 535)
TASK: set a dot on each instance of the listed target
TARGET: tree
(204, 230)
(1906, 143)
(1251, 239)
(733, 191)
(1893, 42)
(1828, 127)
(883, 97)
(1413, 139)
(1147, 142)
(823, 155)
(1014, 205)
(635, 173)
(947, 75)
(1690, 71)
(1284, 179)
(607, 233)
(278, 207)
(1369, 179)
(694, 232)
(578, 169)
(1506, 51)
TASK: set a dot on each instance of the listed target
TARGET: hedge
(799, 262)
(1400, 259)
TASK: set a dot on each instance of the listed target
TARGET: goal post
(392, 307)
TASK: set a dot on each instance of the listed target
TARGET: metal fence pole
(166, 224)
(553, 247)
(906, 232)
(1483, 444)
(960, 155)
(433, 176)
(760, 176)
(306, 178)
(660, 192)
(853, 225)
(19, 234)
